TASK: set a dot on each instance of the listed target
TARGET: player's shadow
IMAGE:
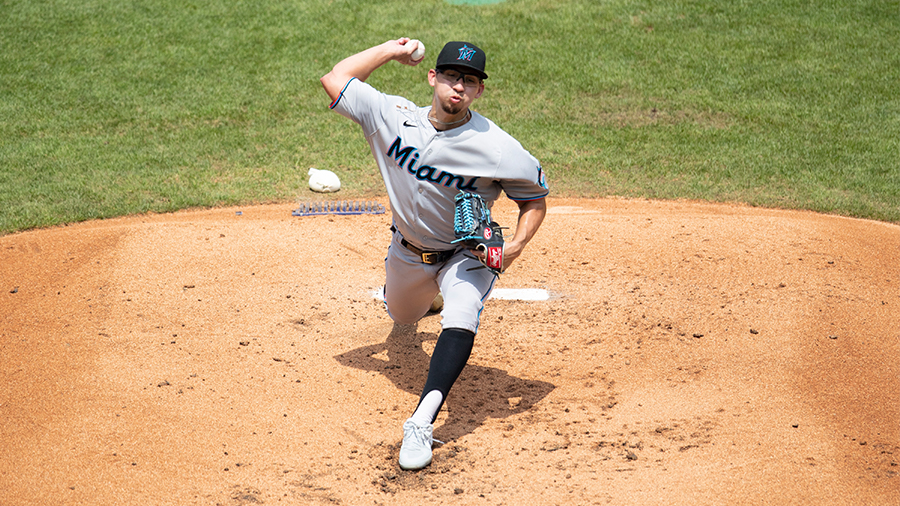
(479, 393)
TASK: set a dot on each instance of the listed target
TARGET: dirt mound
(688, 354)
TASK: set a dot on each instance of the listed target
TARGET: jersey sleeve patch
(522, 190)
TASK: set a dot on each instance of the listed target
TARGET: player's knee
(403, 321)
(404, 317)
(462, 314)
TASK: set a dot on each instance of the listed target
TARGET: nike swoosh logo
(407, 123)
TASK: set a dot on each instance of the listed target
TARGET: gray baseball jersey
(424, 168)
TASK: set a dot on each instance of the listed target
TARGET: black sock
(447, 361)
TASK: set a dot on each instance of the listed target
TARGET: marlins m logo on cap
(466, 53)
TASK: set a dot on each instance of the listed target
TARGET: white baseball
(419, 52)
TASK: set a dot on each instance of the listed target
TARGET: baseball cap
(462, 54)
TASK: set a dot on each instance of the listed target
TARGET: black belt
(428, 257)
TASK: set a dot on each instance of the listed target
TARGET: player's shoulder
(489, 128)
(493, 133)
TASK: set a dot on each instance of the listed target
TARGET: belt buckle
(430, 257)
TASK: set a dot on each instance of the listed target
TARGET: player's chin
(453, 108)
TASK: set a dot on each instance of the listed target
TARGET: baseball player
(427, 156)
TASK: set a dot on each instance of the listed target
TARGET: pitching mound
(688, 354)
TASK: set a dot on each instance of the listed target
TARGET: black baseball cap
(462, 54)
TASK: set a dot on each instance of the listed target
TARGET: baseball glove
(474, 228)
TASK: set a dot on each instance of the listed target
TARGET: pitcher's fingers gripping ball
(419, 52)
(474, 228)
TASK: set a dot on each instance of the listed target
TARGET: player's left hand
(511, 251)
(473, 227)
(531, 214)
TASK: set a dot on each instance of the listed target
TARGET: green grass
(112, 108)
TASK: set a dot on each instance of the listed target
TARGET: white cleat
(415, 453)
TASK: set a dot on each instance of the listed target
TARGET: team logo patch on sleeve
(542, 178)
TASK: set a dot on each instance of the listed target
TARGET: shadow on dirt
(479, 393)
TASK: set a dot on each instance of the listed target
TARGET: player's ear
(480, 90)
(432, 77)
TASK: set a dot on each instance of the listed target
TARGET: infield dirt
(689, 354)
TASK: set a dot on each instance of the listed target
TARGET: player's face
(454, 90)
